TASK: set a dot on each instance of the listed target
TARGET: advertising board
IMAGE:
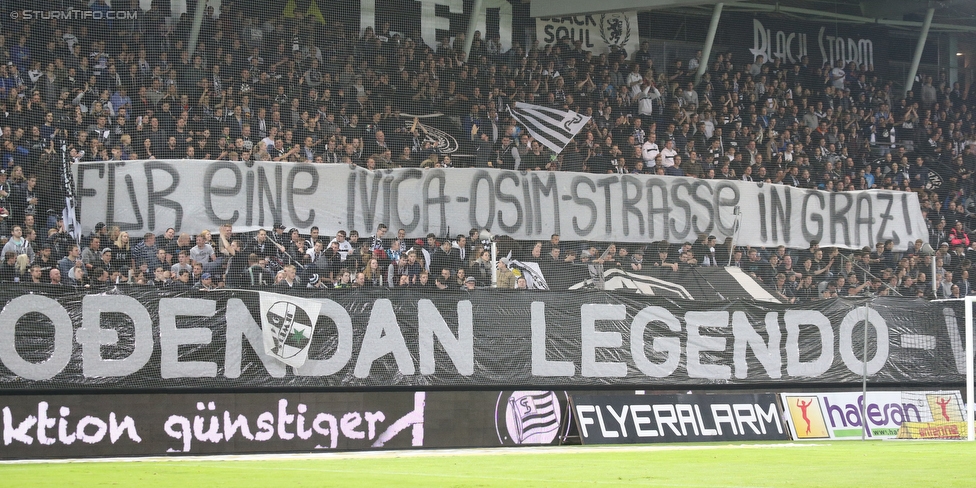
(98, 425)
(637, 419)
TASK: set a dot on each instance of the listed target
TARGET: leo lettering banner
(150, 196)
(401, 339)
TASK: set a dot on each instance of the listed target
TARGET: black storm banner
(529, 340)
(790, 40)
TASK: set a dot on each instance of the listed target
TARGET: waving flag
(532, 273)
(69, 214)
(287, 324)
(552, 127)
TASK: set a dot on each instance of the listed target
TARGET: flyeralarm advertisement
(617, 418)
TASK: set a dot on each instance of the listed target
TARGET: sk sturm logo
(527, 417)
(291, 328)
(571, 123)
(615, 29)
(288, 325)
(808, 419)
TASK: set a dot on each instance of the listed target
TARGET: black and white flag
(69, 214)
(553, 128)
(532, 272)
(287, 324)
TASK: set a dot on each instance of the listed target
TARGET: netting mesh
(379, 85)
(937, 415)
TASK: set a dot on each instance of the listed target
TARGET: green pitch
(889, 464)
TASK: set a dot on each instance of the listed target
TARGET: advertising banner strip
(151, 196)
(886, 414)
(140, 338)
(98, 425)
(638, 419)
(933, 430)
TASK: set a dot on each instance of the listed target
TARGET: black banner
(639, 419)
(789, 40)
(485, 338)
(784, 37)
(53, 426)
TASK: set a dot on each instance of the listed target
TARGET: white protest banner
(150, 196)
(598, 32)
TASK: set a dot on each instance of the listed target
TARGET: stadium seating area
(267, 88)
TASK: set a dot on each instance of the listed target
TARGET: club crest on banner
(527, 417)
(288, 324)
(615, 29)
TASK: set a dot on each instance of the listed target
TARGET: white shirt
(649, 151)
(634, 80)
(837, 77)
(668, 157)
(344, 248)
(203, 254)
(645, 99)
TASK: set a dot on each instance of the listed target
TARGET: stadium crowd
(268, 88)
